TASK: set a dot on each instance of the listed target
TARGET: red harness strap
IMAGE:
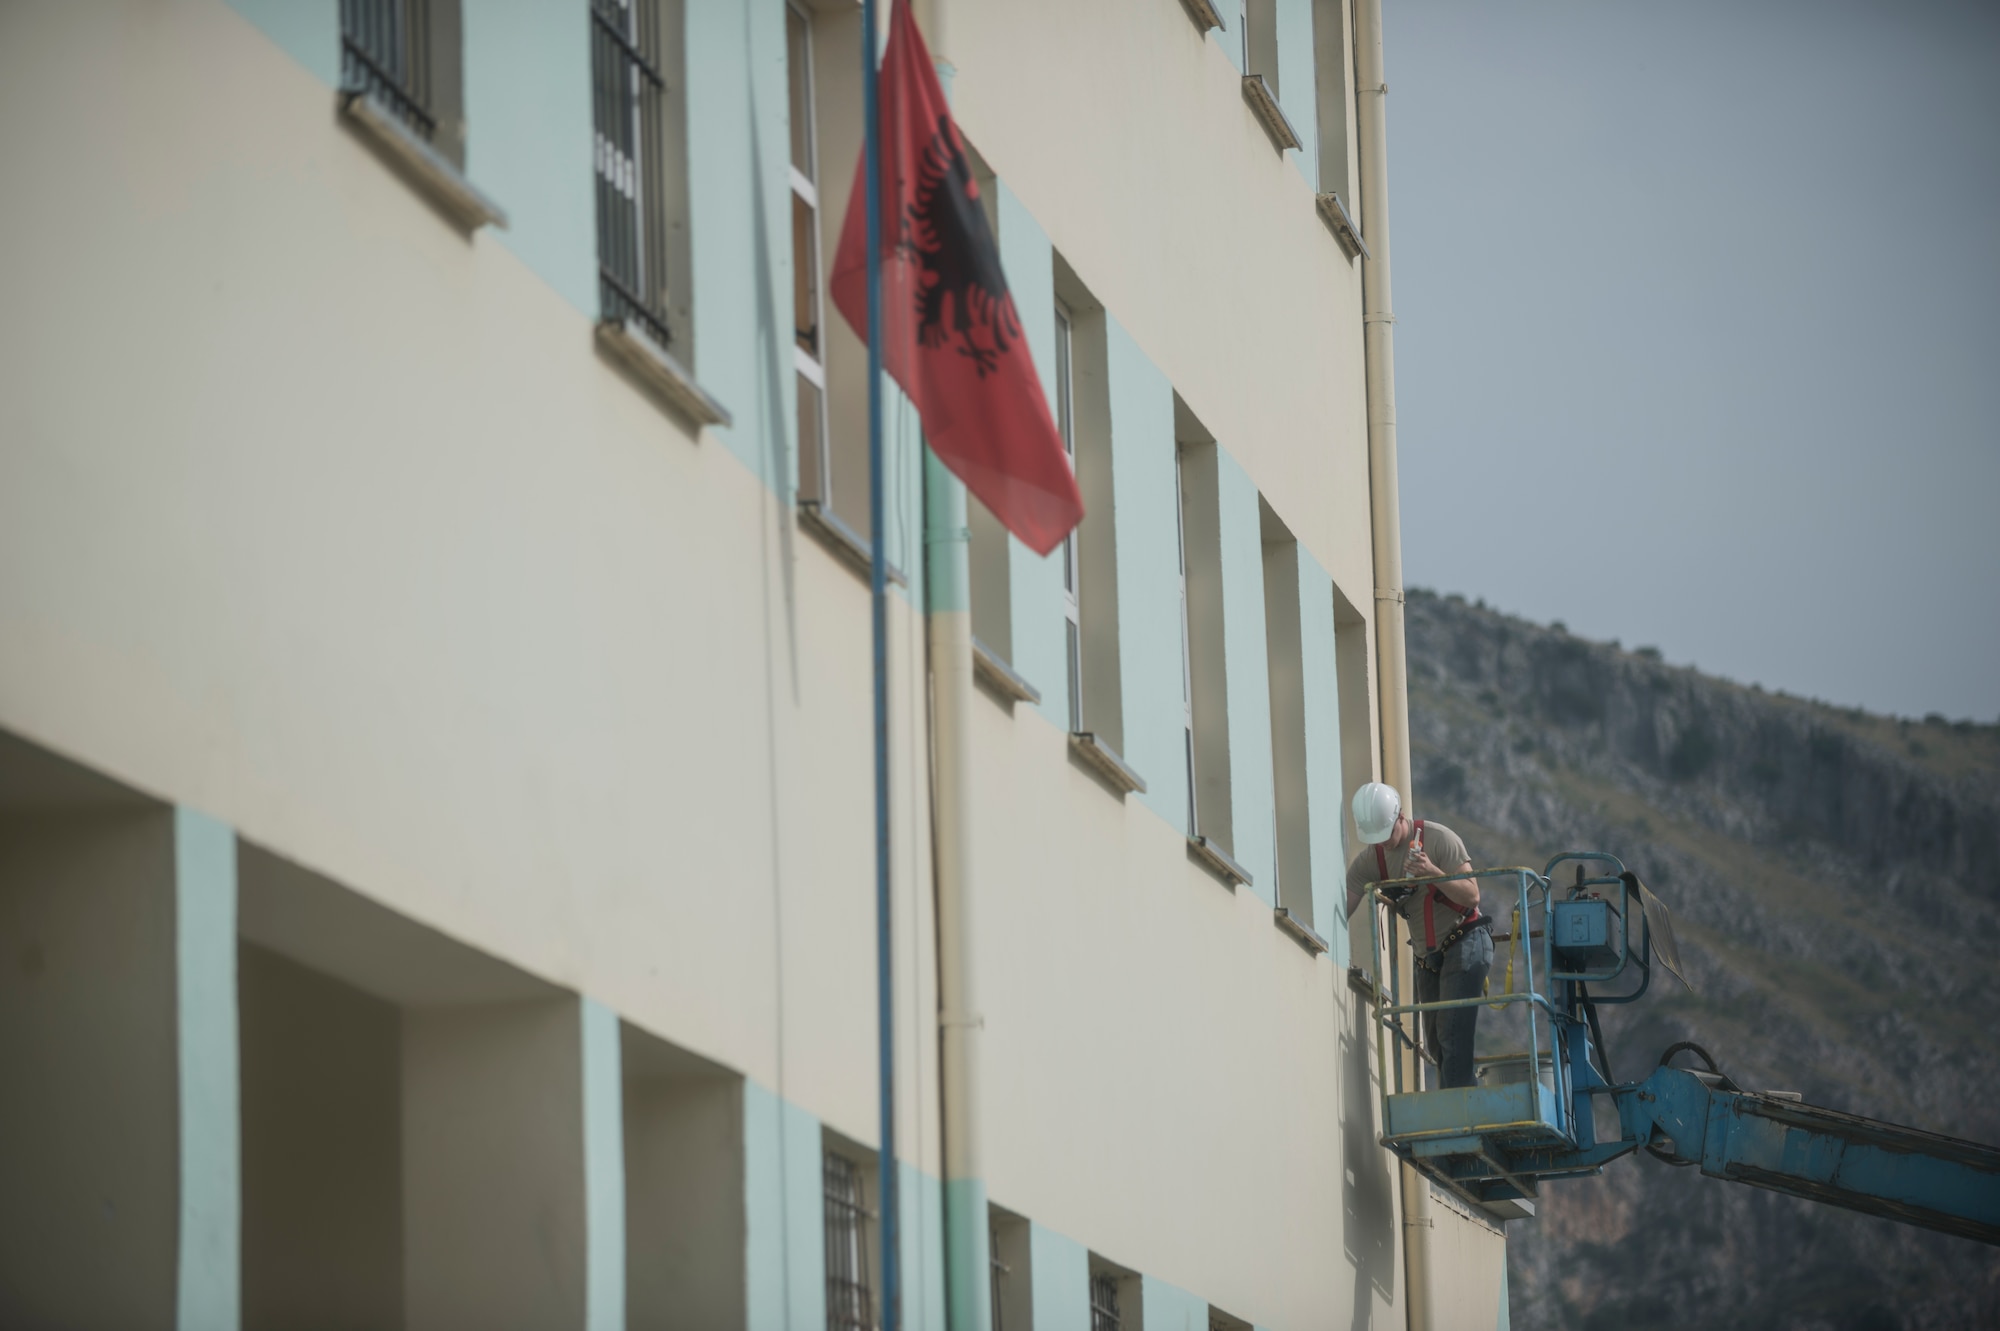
(1431, 894)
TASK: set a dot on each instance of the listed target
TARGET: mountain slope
(1835, 878)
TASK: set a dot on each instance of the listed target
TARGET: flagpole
(887, 1191)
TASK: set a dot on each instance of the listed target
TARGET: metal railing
(627, 99)
(385, 51)
(1531, 893)
(1545, 995)
(850, 1297)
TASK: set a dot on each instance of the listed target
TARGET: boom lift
(1533, 1116)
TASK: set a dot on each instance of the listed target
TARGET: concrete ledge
(1104, 762)
(846, 543)
(1359, 981)
(443, 183)
(1003, 679)
(1302, 933)
(1265, 103)
(631, 346)
(1203, 14)
(1339, 221)
(1217, 861)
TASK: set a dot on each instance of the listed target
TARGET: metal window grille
(385, 50)
(997, 1273)
(1066, 424)
(627, 92)
(1104, 1315)
(850, 1302)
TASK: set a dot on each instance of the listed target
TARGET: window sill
(1218, 861)
(845, 543)
(444, 184)
(1302, 933)
(1359, 981)
(1104, 761)
(996, 674)
(1203, 14)
(666, 377)
(1334, 213)
(1265, 103)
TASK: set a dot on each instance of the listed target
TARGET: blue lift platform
(1535, 1114)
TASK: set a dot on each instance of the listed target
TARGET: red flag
(950, 334)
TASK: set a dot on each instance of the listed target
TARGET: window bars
(849, 1298)
(385, 51)
(1104, 1315)
(997, 1272)
(627, 91)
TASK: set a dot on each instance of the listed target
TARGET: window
(996, 1271)
(1284, 655)
(1187, 668)
(1104, 1314)
(1071, 573)
(405, 54)
(850, 1299)
(628, 101)
(808, 296)
(1333, 75)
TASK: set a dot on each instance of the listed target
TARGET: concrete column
(513, 1178)
(118, 1110)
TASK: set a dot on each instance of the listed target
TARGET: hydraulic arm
(1769, 1141)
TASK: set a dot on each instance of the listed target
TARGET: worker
(1451, 937)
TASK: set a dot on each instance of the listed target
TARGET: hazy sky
(1698, 330)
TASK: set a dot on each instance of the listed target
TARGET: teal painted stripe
(1246, 648)
(306, 30)
(208, 1292)
(785, 1254)
(1059, 1270)
(1149, 598)
(528, 136)
(603, 1170)
(968, 1255)
(1230, 38)
(1165, 1307)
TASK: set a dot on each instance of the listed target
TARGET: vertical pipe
(948, 620)
(888, 1192)
(1378, 335)
(947, 586)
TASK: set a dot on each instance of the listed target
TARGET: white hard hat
(1375, 810)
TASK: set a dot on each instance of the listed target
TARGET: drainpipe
(1393, 700)
(947, 593)
(948, 620)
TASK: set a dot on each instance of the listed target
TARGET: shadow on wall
(1369, 1188)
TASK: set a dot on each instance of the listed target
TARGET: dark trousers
(1449, 1033)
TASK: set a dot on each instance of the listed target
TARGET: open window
(1212, 827)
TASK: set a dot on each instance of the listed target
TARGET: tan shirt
(1446, 850)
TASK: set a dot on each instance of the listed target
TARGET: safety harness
(1469, 918)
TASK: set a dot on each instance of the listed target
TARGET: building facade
(436, 827)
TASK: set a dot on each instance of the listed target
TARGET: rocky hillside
(1835, 877)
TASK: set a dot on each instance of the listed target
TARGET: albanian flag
(950, 334)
